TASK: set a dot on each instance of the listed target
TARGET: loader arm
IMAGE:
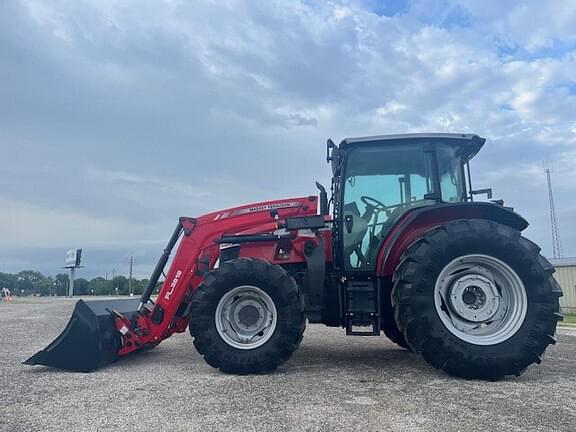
(197, 254)
(101, 331)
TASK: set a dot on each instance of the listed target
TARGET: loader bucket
(90, 340)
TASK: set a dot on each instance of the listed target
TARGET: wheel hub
(246, 317)
(474, 298)
(480, 299)
(469, 297)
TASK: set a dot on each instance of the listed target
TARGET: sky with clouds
(116, 117)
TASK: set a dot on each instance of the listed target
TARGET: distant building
(566, 277)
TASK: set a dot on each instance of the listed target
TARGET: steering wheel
(373, 202)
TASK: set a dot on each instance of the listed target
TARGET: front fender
(415, 222)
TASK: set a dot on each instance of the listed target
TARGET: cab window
(380, 184)
(450, 172)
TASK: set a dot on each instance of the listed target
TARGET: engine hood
(261, 212)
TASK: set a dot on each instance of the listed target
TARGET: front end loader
(405, 251)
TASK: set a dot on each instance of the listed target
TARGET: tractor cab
(377, 180)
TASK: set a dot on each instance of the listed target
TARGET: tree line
(30, 282)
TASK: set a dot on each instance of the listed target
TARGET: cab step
(362, 308)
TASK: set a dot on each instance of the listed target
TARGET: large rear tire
(389, 326)
(476, 299)
(247, 316)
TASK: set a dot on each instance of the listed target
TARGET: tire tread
(279, 348)
(416, 316)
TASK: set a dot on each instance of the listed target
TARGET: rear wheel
(476, 299)
(247, 316)
(389, 326)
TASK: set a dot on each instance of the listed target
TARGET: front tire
(247, 316)
(476, 299)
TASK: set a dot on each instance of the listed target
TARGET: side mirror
(329, 146)
(333, 156)
(487, 191)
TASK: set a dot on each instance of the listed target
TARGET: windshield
(381, 183)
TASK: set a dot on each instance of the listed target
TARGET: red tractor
(405, 251)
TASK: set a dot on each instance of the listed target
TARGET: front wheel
(247, 316)
(476, 299)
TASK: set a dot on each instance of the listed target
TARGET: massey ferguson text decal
(255, 209)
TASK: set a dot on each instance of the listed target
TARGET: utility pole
(556, 243)
(71, 282)
(112, 285)
(130, 278)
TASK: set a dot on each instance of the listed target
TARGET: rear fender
(415, 222)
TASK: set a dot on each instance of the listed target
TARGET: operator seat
(353, 240)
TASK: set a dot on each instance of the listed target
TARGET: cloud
(23, 225)
(129, 114)
(149, 194)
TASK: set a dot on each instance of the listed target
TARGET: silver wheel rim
(246, 317)
(480, 299)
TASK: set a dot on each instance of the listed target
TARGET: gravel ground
(332, 383)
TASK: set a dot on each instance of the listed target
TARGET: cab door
(379, 184)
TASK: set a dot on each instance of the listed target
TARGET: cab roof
(469, 143)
